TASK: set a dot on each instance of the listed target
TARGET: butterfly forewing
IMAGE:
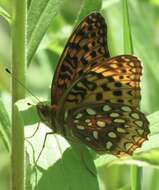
(113, 128)
(114, 80)
(86, 45)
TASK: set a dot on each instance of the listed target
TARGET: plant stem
(18, 70)
(136, 178)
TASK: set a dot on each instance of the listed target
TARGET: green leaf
(28, 111)
(5, 15)
(40, 15)
(5, 127)
(69, 173)
(58, 159)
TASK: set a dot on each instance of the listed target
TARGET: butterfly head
(46, 113)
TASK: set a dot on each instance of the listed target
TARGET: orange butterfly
(95, 98)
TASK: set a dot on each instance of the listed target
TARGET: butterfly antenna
(21, 84)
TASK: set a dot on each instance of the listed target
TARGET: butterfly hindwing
(86, 44)
(113, 128)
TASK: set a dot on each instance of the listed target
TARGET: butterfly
(94, 97)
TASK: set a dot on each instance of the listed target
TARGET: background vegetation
(56, 19)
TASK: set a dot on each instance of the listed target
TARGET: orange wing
(115, 80)
(84, 47)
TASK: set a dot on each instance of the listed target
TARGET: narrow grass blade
(136, 173)
(5, 127)
(87, 7)
(5, 15)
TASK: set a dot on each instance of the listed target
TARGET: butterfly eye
(43, 110)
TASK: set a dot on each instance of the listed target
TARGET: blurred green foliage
(144, 22)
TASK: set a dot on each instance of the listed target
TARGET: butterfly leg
(46, 135)
(35, 160)
(37, 128)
